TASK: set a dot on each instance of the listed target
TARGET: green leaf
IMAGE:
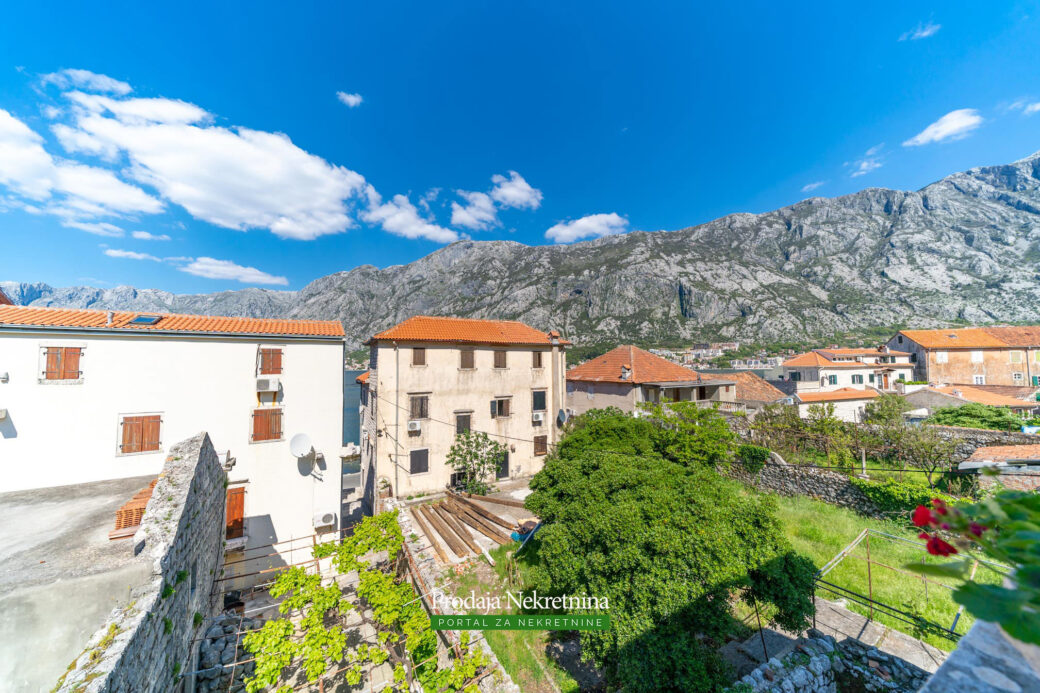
(953, 569)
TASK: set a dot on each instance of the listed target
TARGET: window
(140, 434)
(419, 407)
(1036, 355)
(418, 461)
(270, 361)
(466, 359)
(538, 403)
(796, 376)
(832, 380)
(1017, 357)
(900, 339)
(536, 359)
(236, 507)
(976, 356)
(1017, 377)
(857, 379)
(462, 422)
(942, 357)
(418, 356)
(500, 359)
(541, 445)
(979, 380)
(62, 363)
(499, 407)
(902, 376)
(503, 466)
(267, 424)
(913, 357)
(870, 378)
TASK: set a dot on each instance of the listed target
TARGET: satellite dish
(561, 417)
(301, 445)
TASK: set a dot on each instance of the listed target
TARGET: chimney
(110, 316)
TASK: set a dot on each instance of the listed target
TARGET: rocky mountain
(964, 248)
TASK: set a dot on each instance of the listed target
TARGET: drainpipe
(397, 418)
(558, 403)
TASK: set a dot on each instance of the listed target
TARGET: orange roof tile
(965, 338)
(809, 358)
(862, 351)
(1026, 336)
(645, 368)
(845, 393)
(426, 328)
(817, 359)
(997, 453)
(974, 394)
(753, 388)
(4, 300)
(206, 324)
(363, 378)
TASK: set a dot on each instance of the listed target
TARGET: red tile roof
(844, 394)
(645, 367)
(818, 359)
(997, 453)
(426, 328)
(205, 324)
(753, 388)
(862, 351)
(980, 396)
(363, 378)
(4, 300)
(966, 338)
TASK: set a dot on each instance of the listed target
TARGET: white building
(87, 395)
(827, 370)
(432, 377)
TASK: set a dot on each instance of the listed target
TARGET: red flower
(922, 516)
(936, 546)
(940, 505)
(976, 529)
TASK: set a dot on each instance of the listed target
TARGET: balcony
(727, 407)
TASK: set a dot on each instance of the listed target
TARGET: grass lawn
(820, 530)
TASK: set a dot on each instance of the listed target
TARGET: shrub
(975, 415)
(898, 496)
(753, 457)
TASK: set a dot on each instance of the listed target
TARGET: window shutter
(260, 426)
(275, 428)
(466, 358)
(494, 408)
(127, 425)
(52, 371)
(276, 361)
(132, 433)
(70, 363)
(418, 356)
(505, 407)
(150, 432)
(236, 507)
(541, 446)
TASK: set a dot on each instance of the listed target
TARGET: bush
(977, 416)
(898, 496)
(753, 457)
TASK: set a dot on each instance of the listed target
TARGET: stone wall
(988, 661)
(819, 664)
(145, 646)
(969, 439)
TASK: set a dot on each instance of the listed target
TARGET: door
(503, 467)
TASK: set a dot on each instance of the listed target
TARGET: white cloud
(401, 218)
(140, 111)
(1024, 106)
(1032, 108)
(211, 268)
(145, 236)
(130, 255)
(97, 228)
(478, 213)
(515, 192)
(921, 31)
(809, 187)
(351, 100)
(865, 166)
(591, 226)
(85, 79)
(954, 125)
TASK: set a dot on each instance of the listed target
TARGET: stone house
(754, 392)
(1019, 466)
(849, 402)
(932, 398)
(973, 355)
(827, 370)
(626, 376)
(430, 378)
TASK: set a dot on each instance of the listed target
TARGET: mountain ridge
(965, 247)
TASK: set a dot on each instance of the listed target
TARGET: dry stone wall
(146, 646)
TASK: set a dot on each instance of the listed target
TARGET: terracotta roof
(363, 378)
(426, 328)
(1023, 392)
(1027, 336)
(645, 367)
(753, 388)
(862, 352)
(965, 338)
(845, 393)
(206, 324)
(997, 453)
(817, 359)
(974, 394)
(4, 300)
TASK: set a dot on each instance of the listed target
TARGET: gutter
(29, 329)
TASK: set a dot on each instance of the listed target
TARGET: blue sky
(202, 147)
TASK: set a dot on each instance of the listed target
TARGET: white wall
(846, 410)
(60, 433)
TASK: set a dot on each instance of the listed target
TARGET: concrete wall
(583, 396)
(67, 432)
(145, 646)
(846, 410)
(451, 391)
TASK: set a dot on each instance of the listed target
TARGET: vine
(312, 633)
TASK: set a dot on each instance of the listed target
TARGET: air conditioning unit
(414, 426)
(324, 520)
(538, 417)
(267, 384)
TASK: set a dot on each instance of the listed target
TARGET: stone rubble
(220, 650)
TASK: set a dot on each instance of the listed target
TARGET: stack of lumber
(452, 524)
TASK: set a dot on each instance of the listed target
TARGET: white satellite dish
(301, 445)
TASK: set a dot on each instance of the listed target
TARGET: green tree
(475, 458)
(975, 415)
(688, 434)
(886, 410)
(831, 434)
(922, 447)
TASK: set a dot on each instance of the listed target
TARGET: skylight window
(146, 320)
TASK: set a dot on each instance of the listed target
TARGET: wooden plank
(463, 533)
(486, 514)
(500, 501)
(429, 534)
(442, 513)
(446, 536)
(480, 524)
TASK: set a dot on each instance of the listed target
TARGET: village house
(431, 378)
(827, 370)
(849, 403)
(973, 355)
(756, 393)
(1017, 399)
(90, 395)
(627, 376)
(1018, 466)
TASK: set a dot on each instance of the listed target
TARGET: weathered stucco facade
(973, 356)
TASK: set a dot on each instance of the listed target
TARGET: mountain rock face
(964, 248)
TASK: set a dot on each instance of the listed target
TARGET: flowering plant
(1006, 528)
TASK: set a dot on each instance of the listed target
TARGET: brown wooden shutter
(52, 371)
(259, 424)
(466, 358)
(70, 363)
(505, 406)
(500, 359)
(276, 360)
(275, 428)
(541, 445)
(236, 511)
(270, 361)
(418, 356)
(150, 432)
(536, 359)
(133, 432)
